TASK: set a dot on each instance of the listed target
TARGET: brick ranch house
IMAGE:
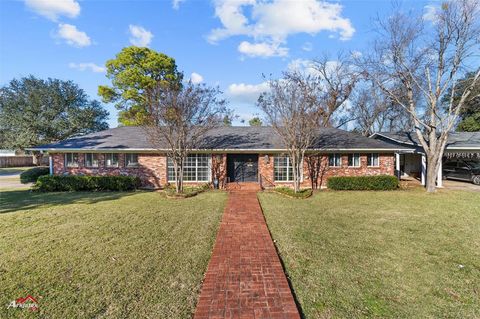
(227, 155)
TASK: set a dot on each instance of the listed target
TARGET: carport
(460, 145)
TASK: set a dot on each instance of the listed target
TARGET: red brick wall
(152, 168)
(386, 167)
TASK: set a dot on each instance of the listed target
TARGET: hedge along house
(227, 155)
(461, 145)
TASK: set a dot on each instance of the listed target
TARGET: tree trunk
(432, 172)
(37, 156)
(178, 167)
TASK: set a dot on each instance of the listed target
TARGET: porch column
(397, 165)
(50, 164)
(439, 176)
(424, 169)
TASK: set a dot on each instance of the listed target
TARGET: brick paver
(245, 278)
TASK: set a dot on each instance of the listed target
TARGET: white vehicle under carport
(462, 169)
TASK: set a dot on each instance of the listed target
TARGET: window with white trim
(111, 160)
(91, 160)
(131, 160)
(71, 159)
(334, 160)
(282, 169)
(354, 160)
(195, 169)
(372, 160)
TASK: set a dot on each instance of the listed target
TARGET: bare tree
(373, 111)
(291, 108)
(180, 117)
(338, 79)
(428, 59)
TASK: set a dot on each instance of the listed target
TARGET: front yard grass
(105, 255)
(400, 254)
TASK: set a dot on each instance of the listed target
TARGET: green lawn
(105, 255)
(399, 254)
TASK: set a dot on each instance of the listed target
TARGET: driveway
(10, 178)
(459, 185)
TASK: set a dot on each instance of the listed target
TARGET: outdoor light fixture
(218, 157)
(267, 159)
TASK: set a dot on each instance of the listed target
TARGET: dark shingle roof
(222, 138)
(456, 140)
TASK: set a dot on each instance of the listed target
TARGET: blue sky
(225, 43)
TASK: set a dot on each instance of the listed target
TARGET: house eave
(144, 150)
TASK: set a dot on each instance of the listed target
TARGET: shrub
(86, 183)
(31, 175)
(188, 191)
(378, 182)
(303, 193)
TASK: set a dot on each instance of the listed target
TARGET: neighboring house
(227, 154)
(462, 145)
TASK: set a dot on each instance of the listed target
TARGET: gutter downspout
(50, 164)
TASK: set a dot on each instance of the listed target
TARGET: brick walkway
(245, 278)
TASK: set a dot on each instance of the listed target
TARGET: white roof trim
(149, 150)
(447, 147)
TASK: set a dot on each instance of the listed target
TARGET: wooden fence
(21, 161)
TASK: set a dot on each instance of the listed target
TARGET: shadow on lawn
(11, 201)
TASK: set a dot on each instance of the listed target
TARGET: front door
(242, 167)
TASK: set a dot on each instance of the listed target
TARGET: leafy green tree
(255, 121)
(134, 73)
(470, 113)
(227, 121)
(35, 111)
(470, 123)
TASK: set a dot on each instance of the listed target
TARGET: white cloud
(52, 9)
(272, 22)
(176, 4)
(87, 66)
(307, 46)
(301, 65)
(196, 78)
(246, 93)
(430, 13)
(308, 67)
(73, 36)
(139, 36)
(262, 49)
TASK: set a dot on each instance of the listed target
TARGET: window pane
(88, 160)
(354, 160)
(334, 160)
(91, 160)
(282, 169)
(71, 159)
(196, 168)
(170, 170)
(131, 159)
(373, 159)
(189, 174)
(111, 160)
